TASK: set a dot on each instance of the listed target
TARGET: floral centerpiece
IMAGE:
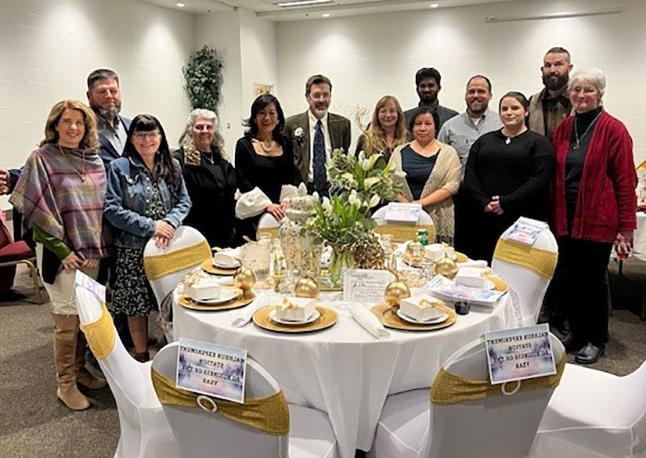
(343, 222)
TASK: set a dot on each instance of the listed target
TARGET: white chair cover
(185, 236)
(529, 286)
(594, 414)
(380, 217)
(201, 433)
(144, 429)
(496, 427)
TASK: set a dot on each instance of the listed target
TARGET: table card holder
(406, 213)
(519, 354)
(525, 230)
(213, 370)
(365, 285)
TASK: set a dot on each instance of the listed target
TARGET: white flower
(370, 182)
(315, 195)
(400, 173)
(353, 199)
(298, 133)
(361, 156)
(373, 160)
(327, 206)
(374, 201)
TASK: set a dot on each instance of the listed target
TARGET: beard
(555, 82)
(107, 113)
(427, 98)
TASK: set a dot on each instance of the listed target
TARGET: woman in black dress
(507, 176)
(264, 157)
(210, 179)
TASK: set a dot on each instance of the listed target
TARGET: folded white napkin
(252, 203)
(368, 321)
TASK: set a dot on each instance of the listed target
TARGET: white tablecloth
(344, 370)
(639, 239)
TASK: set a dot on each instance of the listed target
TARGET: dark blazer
(106, 150)
(338, 126)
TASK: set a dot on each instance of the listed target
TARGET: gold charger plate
(208, 267)
(388, 317)
(240, 301)
(327, 319)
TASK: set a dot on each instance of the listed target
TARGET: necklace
(509, 137)
(266, 146)
(207, 157)
(82, 173)
(577, 139)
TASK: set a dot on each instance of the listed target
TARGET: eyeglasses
(142, 135)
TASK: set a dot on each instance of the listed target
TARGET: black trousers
(580, 274)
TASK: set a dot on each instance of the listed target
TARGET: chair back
(268, 224)
(202, 433)
(165, 267)
(404, 232)
(527, 270)
(144, 430)
(498, 426)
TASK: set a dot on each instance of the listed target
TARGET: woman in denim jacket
(146, 198)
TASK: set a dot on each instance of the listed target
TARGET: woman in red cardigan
(593, 205)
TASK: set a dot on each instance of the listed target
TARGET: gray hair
(592, 75)
(187, 135)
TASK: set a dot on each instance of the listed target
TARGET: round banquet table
(343, 370)
(639, 238)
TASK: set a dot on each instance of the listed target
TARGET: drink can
(422, 236)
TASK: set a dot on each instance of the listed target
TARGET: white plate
(224, 265)
(438, 319)
(226, 295)
(313, 317)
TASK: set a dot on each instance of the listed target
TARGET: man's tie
(320, 175)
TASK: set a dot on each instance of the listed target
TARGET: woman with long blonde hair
(386, 131)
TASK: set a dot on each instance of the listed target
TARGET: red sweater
(607, 202)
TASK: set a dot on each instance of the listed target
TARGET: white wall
(247, 46)
(369, 56)
(47, 49)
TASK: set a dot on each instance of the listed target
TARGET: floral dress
(131, 293)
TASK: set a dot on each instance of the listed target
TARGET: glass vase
(342, 259)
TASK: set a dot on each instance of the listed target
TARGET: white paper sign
(91, 285)
(525, 230)
(365, 285)
(519, 354)
(448, 290)
(402, 213)
(211, 369)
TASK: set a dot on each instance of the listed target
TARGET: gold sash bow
(272, 232)
(405, 232)
(184, 258)
(451, 389)
(269, 415)
(100, 334)
(542, 262)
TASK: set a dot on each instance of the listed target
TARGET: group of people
(100, 186)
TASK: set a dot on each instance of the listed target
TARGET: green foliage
(203, 74)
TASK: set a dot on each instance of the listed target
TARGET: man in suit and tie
(316, 133)
(104, 96)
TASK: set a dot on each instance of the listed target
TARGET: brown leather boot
(66, 329)
(83, 376)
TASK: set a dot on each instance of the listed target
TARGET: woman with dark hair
(432, 171)
(264, 156)
(507, 176)
(146, 198)
(60, 194)
(210, 179)
(593, 206)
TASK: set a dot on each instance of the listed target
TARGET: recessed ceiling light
(326, 14)
(434, 5)
(297, 3)
(180, 5)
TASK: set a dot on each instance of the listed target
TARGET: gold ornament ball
(245, 279)
(446, 267)
(395, 292)
(306, 287)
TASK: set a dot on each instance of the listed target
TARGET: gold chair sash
(271, 231)
(405, 232)
(184, 258)
(451, 389)
(100, 334)
(541, 261)
(269, 415)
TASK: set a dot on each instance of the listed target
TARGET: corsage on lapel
(299, 136)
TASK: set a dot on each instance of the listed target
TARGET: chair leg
(35, 280)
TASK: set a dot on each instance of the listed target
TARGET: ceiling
(268, 9)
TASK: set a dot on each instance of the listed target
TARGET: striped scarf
(52, 195)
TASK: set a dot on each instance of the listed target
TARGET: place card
(211, 369)
(365, 285)
(525, 230)
(402, 213)
(93, 286)
(519, 354)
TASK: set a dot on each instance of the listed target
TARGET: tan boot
(83, 376)
(66, 329)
